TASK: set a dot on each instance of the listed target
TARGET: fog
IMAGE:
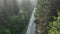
(33, 2)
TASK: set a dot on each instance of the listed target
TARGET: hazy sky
(33, 2)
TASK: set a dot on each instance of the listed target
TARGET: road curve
(31, 27)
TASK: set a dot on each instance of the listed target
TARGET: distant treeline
(14, 18)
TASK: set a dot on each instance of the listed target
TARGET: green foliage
(47, 20)
(54, 26)
(13, 21)
(15, 24)
(4, 31)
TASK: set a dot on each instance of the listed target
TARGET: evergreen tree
(46, 13)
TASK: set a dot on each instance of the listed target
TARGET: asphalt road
(31, 27)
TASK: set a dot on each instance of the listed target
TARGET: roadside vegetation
(14, 19)
(48, 17)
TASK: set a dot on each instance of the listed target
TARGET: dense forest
(48, 17)
(15, 16)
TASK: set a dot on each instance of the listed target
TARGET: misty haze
(29, 16)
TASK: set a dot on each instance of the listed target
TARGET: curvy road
(31, 27)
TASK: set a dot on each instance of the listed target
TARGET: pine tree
(46, 13)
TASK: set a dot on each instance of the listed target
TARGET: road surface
(31, 27)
